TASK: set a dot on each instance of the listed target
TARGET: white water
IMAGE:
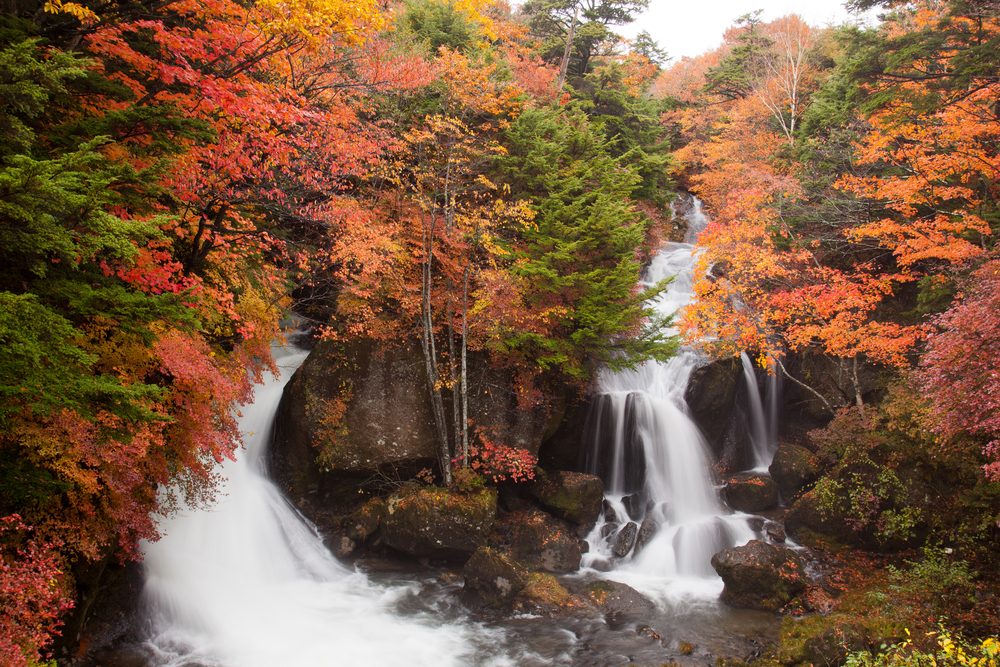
(644, 441)
(248, 582)
(760, 425)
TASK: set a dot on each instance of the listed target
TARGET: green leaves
(580, 259)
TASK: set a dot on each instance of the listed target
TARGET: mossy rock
(492, 579)
(539, 540)
(759, 575)
(543, 593)
(825, 527)
(751, 492)
(574, 496)
(792, 468)
(435, 522)
(362, 525)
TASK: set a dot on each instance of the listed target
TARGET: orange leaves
(933, 146)
(942, 164)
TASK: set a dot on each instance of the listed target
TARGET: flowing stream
(248, 582)
(655, 462)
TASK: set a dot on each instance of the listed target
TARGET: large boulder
(759, 575)
(574, 496)
(812, 522)
(437, 523)
(538, 540)
(792, 468)
(751, 492)
(492, 579)
(711, 399)
(352, 409)
(358, 408)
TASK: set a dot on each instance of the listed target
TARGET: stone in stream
(609, 529)
(492, 579)
(573, 496)
(646, 532)
(618, 601)
(751, 492)
(759, 575)
(609, 512)
(636, 505)
(538, 540)
(437, 523)
(625, 539)
(774, 531)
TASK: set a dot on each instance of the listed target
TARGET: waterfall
(759, 426)
(655, 462)
(248, 582)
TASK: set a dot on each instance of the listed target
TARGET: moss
(544, 589)
(827, 640)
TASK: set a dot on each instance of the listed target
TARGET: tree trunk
(567, 50)
(430, 357)
(465, 374)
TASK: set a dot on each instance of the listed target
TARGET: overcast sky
(691, 27)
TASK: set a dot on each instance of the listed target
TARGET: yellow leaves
(350, 21)
(81, 13)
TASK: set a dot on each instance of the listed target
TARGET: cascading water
(654, 460)
(248, 581)
(761, 428)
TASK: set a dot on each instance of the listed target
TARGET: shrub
(949, 651)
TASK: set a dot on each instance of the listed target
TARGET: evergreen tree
(580, 260)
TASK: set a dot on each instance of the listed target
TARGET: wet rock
(774, 531)
(362, 525)
(434, 522)
(751, 492)
(538, 540)
(636, 505)
(759, 575)
(756, 523)
(385, 419)
(544, 594)
(711, 397)
(625, 539)
(344, 546)
(574, 496)
(617, 600)
(793, 468)
(609, 512)
(646, 531)
(492, 579)
(609, 529)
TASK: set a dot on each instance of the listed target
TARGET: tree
(578, 267)
(574, 32)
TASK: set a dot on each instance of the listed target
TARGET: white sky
(691, 27)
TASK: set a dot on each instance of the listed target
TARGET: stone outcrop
(759, 575)
(353, 410)
(573, 496)
(711, 398)
(492, 579)
(539, 541)
(751, 492)
(792, 468)
(436, 523)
